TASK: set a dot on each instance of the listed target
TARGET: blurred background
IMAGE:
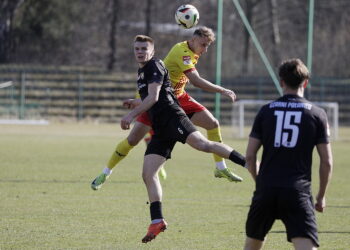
(73, 59)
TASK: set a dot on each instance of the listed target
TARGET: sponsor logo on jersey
(141, 86)
(186, 60)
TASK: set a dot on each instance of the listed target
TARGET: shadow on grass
(338, 206)
(62, 181)
(320, 232)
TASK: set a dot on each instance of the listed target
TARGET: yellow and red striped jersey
(179, 61)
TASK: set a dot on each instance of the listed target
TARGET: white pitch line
(5, 84)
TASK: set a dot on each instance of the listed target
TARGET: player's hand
(126, 121)
(320, 203)
(129, 103)
(229, 93)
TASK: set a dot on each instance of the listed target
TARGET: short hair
(293, 72)
(143, 38)
(205, 32)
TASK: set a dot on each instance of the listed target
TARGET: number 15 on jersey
(287, 130)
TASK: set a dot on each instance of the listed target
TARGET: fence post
(80, 96)
(241, 119)
(21, 113)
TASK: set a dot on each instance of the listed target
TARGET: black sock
(156, 210)
(237, 158)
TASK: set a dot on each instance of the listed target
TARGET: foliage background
(99, 33)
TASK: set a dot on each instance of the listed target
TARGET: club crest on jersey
(141, 76)
(186, 60)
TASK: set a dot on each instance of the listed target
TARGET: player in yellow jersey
(180, 62)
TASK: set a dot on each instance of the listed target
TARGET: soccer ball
(187, 16)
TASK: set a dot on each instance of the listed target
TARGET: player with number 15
(288, 129)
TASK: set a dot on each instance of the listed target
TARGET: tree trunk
(250, 6)
(275, 36)
(148, 14)
(113, 36)
(7, 10)
(246, 49)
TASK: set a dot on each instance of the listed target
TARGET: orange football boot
(154, 230)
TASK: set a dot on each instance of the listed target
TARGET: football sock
(237, 158)
(220, 165)
(107, 171)
(119, 153)
(156, 211)
(156, 221)
(215, 135)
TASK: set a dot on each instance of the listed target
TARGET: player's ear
(305, 83)
(152, 54)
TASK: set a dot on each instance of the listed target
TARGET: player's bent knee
(216, 123)
(147, 176)
(134, 140)
(212, 124)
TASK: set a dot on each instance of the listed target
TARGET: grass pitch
(47, 203)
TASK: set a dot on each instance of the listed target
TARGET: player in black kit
(170, 124)
(288, 129)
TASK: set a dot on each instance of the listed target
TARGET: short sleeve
(155, 73)
(256, 131)
(323, 131)
(185, 63)
(183, 59)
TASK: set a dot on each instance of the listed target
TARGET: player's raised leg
(151, 166)
(207, 121)
(122, 149)
(199, 142)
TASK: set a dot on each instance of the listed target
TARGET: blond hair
(205, 32)
(143, 38)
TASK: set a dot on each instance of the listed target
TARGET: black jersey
(155, 72)
(289, 128)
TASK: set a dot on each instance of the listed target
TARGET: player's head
(201, 40)
(293, 73)
(143, 49)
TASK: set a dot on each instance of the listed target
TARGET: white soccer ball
(187, 16)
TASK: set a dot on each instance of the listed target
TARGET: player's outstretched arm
(326, 168)
(204, 84)
(146, 104)
(131, 103)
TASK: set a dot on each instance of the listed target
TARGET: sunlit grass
(47, 203)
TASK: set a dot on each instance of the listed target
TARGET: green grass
(47, 203)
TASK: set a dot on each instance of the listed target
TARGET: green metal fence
(78, 94)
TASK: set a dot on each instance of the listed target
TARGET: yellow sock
(215, 135)
(119, 153)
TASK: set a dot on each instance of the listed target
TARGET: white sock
(156, 221)
(107, 171)
(220, 165)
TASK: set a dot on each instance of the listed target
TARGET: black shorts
(293, 207)
(178, 128)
